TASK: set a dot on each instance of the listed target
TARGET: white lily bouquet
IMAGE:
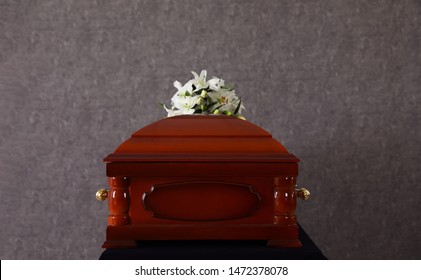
(199, 96)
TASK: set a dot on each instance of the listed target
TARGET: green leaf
(213, 103)
(238, 107)
(218, 107)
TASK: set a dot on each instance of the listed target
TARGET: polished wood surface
(202, 177)
(200, 138)
(119, 201)
(178, 201)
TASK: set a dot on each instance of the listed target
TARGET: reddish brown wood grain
(202, 177)
(178, 201)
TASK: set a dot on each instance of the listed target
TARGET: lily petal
(178, 85)
(195, 75)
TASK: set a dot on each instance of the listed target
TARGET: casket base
(215, 250)
(277, 236)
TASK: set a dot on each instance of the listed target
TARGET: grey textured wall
(337, 82)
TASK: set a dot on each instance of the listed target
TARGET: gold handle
(303, 193)
(102, 194)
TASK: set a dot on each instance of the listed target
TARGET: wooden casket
(198, 177)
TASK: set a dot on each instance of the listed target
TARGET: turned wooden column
(285, 200)
(119, 201)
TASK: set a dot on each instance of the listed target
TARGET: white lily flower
(215, 83)
(226, 100)
(184, 103)
(187, 89)
(171, 112)
(199, 81)
(206, 96)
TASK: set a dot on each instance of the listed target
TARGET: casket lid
(201, 138)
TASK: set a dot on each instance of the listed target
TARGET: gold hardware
(303, 193)
(102, 194)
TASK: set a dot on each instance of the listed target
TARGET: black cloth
(215, 250)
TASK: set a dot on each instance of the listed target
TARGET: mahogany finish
(202, 177)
